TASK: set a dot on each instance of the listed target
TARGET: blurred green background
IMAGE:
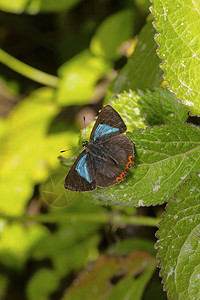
(57, 59)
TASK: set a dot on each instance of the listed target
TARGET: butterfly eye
(85, 144)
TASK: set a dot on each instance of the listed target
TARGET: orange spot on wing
(121, 177)
(130, 162)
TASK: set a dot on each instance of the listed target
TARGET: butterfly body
(107, 156)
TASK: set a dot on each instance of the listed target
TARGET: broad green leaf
(78, 78)
(36, 6)
(42, 284)
(179, 242)
(142, 69)
(110, 35)
(13, 6)
(131, 288)
(129, 245)
(145, 108)
(148, 108)
(160, 107)
(164, 157)
(178, 23)
(29, 149)
(99, 282)
(17, 241)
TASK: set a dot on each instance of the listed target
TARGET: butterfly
(107, 156)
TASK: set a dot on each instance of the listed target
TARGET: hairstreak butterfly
(106, 157)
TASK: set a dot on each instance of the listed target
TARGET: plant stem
(27, 70)
(89, 218)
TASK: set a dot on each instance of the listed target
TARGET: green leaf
(17, 241)
(178, 38)
(179, 242)
(42, 284)
(36, 6)
(78, 78)
(148, 108)
(131, 288)
(71, 247)
(25, 156)
(160, 107)
(99, 282)
(142, 69)
(129, 245)
(113, 31)
(16, 6)
(164, 157)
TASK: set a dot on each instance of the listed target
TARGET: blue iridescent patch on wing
(103, 129)
(82, 168)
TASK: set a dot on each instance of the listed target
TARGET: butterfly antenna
(68, 149)
(85, 127)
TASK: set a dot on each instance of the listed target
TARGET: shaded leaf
(113, 278)
(142, 69)
(179, 242)
(42, 284)
(178, 38)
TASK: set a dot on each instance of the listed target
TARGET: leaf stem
(27, 71)
(89, 218)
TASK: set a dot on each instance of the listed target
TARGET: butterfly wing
(81, 175)
(109, 123)
(112, 166)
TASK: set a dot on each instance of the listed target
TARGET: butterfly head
(85, 144)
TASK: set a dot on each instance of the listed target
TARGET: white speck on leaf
(140, 203)
(170, 272)
(189, 103)
(156, 188)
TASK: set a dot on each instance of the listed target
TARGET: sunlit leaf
(16, 243)
(115, 30)
(29, 150)
(179, 242)
(36, 6)
(78, 78)
(177, 23)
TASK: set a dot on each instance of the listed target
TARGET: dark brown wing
(109, 123)
(112, 166)
(81, 175)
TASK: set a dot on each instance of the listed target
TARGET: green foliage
(164, 157)
(178, 242)
(142, 69)
(97, 283)
(49, 235)
(115, 30)
(178, 38)
(35, 6)
(78, 78)
(42, 284)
